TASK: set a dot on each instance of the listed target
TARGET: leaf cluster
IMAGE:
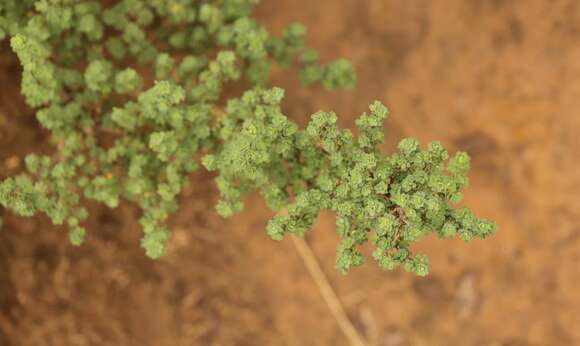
(133, 94)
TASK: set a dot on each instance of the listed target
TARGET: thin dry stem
(327, 292)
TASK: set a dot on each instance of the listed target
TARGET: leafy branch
(151, 76)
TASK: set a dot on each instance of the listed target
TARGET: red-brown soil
(499, 79)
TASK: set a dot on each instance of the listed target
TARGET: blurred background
(499, 79)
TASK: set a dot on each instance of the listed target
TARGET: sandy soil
(499, 79)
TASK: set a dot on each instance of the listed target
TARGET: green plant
(133, 92)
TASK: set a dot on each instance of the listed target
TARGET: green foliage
(89, 70)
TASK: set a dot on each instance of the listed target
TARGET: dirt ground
(499, 79)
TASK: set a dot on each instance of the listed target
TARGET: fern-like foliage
(132, 94)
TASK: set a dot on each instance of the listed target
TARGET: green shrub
(151, 74)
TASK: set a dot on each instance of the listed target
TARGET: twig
(327, 292)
